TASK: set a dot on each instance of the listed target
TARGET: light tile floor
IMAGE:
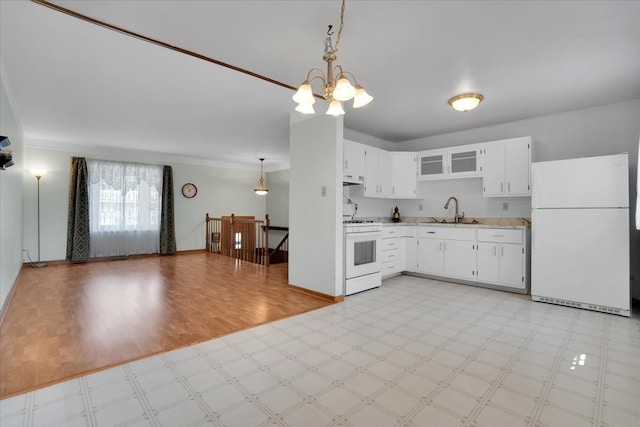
(414, 352)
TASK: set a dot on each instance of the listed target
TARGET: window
(124, 208)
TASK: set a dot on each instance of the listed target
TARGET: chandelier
(336, 85)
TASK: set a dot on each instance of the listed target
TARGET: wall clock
(189, 190)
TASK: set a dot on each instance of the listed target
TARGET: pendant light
(261, 189)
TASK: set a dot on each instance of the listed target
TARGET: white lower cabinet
(408, 240)
(444, 251)
(391, 251)
(502, 257)
(497, 257)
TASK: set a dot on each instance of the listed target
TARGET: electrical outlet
(420, 207)
(324, 191)
(505, 206)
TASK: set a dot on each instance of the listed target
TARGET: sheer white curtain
(124, 208)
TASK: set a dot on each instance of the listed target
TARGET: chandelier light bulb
(304, 95)
(305, 109)
(361, 98)
(335, 108)
(343, 91)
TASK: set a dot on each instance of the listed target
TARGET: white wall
(10, 200)
(315, 221)
(220, 192)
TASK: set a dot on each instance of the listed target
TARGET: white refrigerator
(580, 233)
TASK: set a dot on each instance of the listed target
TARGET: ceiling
(76, 84)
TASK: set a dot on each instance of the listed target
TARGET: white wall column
(315, 205)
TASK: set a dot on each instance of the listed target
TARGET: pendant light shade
(335, 108)
(261, 190)
(304, 95)
(361, 98)
(343, 91)
(305, 109)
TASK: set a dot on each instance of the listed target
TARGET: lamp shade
(343, 91)
(361, 98)
(305, 109)
(335, 109)
(304, 95)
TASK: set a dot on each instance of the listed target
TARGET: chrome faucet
(457, 218)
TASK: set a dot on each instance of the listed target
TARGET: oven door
(362, 254)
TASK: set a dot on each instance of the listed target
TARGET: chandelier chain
(341, 26)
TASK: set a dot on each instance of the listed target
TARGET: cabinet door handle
(509, 186)
(501, 250)
(346, 164)
(501, 187)
(440, 246)
(431, 232)
(494, 251)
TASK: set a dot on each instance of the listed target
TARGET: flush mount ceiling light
(261, 189)
(465, 101)
(336, 85)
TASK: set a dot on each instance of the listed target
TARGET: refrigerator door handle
(534, 198)
(534, 229)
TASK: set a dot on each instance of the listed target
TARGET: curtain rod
(157, 42)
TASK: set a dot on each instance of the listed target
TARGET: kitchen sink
(451, 222)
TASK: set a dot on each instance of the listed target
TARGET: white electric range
(362, 255)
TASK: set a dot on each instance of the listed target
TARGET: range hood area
(348, 180)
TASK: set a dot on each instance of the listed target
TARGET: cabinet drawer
(390, 231)
(389, 267)
(451, 233)
(499, 235)
(386, 244)
(389, 255)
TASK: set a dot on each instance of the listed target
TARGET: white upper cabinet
(455, 162)
(353, 161)
(432, 164)
(507, 166)
(403, 175)
(465, 161)
(377, 172)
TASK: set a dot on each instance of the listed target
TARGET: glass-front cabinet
(454, 162)
(432, 164)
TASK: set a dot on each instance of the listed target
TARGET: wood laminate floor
(66, 320)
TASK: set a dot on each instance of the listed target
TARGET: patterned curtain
(78, 219)
(167, 226)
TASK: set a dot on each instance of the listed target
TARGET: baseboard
(325, 297)
(5, 305)
(117, 258)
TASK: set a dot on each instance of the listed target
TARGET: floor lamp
(39, 175)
